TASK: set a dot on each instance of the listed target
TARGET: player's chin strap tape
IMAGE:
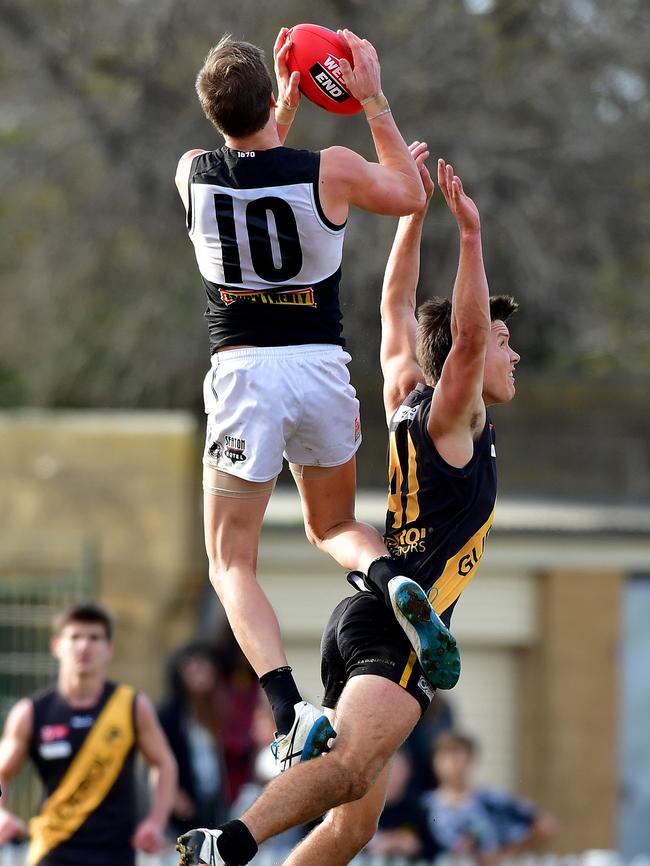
(375, 106)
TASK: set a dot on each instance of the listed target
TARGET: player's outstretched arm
(13, 753)
(398, 298)
(392, 186)
(457, 410)
(149, 835)
(288, 92)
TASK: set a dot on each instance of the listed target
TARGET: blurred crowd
(219, 726)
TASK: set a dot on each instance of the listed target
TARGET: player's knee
(354, 780)
(313, 532)
(317, 533)
(353, 835)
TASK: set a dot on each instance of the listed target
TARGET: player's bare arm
(288, 99)
(14, 748)
(183, 174)
(149, 834)
(390, 186)
(457, 410)
(400, 368)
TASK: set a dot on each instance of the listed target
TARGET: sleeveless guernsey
(438, 516)
(58, 734)
(269, 258)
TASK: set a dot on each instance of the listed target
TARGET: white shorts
(266, 403)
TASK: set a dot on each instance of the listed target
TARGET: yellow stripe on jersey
(412, 501)
(457, 573)
(394, 503)
(396, 476)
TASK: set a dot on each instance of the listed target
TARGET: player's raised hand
(364, 79)
(288, 92)
(458, 202)
(420, 153)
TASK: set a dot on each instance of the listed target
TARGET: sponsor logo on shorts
(357, 428)
(234, 449)
(425, 686)
(407, 541)
(377, 661)
(293, 297)
(329, 78)
(216, 450)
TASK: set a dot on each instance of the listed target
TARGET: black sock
(380, 572)
(282, 692)
(236, 845)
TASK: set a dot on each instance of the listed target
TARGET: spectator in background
(486, 824)
(193, 718)
(239, 690)
(402, 830)
(82, 735)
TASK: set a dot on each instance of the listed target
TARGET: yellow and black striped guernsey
(438, 516)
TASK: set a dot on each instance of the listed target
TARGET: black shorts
(363, 637)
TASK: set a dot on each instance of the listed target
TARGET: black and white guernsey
(269, 258)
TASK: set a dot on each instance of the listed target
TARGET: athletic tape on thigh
(220, 483)
(310, 472)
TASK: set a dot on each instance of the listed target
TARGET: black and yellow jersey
(59, 734)
(438, 516)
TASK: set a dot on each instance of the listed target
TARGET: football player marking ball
(315, 53)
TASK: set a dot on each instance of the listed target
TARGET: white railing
(14, 855)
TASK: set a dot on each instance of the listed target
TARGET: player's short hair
(86, 612)
(451, 740)
(234, 88)
(433, 336)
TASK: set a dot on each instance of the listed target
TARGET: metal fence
(40, 574)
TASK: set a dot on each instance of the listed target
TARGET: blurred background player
(267, 223)
(373, 683)
(82, 735)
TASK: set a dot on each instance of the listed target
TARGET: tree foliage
(543, 107)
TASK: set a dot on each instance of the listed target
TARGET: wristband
(284, 113)
(375, 106)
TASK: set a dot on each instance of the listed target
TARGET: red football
(315, 53)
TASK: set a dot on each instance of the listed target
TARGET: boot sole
(190, 854)
(432, 641)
